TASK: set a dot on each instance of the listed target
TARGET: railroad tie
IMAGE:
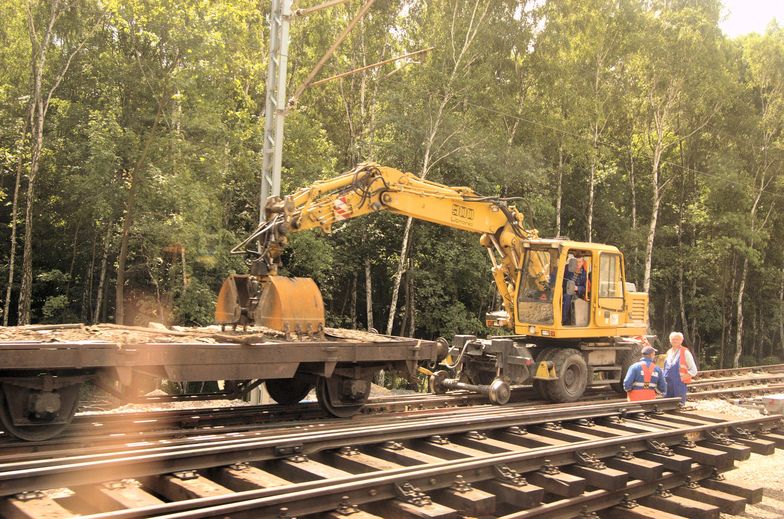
(752, 493)
(728, 503)
(666, 501)
(118, 495)
(32, 505)
(243, 476)
(555, 482)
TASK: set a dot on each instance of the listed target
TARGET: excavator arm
(370, 188)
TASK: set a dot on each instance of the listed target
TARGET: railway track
(126, 427)
(510, 461)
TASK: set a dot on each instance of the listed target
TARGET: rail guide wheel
(342, 397)
(33, 413)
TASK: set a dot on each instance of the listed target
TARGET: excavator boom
(366, 189)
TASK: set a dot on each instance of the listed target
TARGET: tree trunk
(655, 202)
(726, 328)
(559, 190)
(119, 313)
(406, 299)
(184, 270)
(36, 122)
(102, 276)
(411, 302)
(632, 186)
(592, 180)
(681, 302)
(781, 312)
(739, 312)
(12, 248)
(401, 267)
(87, 290)
(353, 308)
(38, 108)
(448, 95)
(73, 259)
(369, 294)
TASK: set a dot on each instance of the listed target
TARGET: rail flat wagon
(43, 367)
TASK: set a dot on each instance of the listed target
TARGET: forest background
(130, 152)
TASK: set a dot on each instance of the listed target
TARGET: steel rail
(109, 439)
(16, 477)
(724, 372)
(325, 495)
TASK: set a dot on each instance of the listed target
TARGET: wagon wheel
(37, 426)
(288, 391)
(342, 397)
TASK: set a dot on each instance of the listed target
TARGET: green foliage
(195, 306)
(56, 309)
(769, 360)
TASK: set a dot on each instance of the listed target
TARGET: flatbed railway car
(43, 367)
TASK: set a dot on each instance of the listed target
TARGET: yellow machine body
(530, 273)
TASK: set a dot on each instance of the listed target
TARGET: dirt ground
(765, 471)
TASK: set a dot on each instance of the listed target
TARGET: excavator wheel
(572, 371)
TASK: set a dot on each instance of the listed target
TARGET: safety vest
(642, 390)
(683, 367)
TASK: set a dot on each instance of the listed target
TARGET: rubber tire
(540, 386)
(632, 356)
(569, 386)
(287, 391)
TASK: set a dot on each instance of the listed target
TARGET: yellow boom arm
(371, 188)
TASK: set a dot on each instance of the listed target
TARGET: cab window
(537, 281)
(610, 284)
(538, 277)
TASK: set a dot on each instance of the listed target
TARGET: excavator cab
(574, 289)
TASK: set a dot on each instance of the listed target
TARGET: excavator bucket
(278, 302)
(235, 298)
(290, 305)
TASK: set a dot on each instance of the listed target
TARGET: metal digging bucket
(290, 305)
(277, 302)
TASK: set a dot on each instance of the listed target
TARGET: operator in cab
(644, 379)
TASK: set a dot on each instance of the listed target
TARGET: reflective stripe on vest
(635, 395)
(648, 372)
(683, 367)
(642, 390)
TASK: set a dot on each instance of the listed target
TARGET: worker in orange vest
(679, 367)
(644, 378)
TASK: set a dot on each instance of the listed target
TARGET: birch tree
(463, 23)
(765, 57)
(42, 17)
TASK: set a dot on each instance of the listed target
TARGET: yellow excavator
(570, 318)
